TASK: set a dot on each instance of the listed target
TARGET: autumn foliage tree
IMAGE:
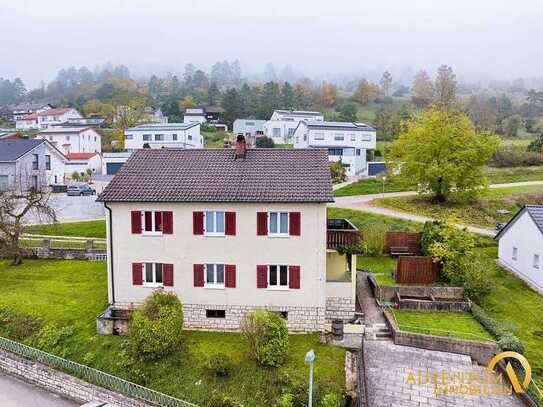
(327, 94)
(422, 90)
(366, 92)
(444, 154)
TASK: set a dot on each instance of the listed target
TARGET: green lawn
(361, 219)
(483, 212)
(95, 228)
(379, 266)
(213, 139)
(73, 293)
(460, 325)
(393, 184)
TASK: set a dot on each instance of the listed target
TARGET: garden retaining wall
(65, 254)
(388, 293)
(480, 351)
(61, 383)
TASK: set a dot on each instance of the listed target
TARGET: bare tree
(21, 200)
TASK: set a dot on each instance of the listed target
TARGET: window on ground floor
(152, 274)
(278, 276)
(515, 253)
(536, 261)
(214, 275)
(3, 182)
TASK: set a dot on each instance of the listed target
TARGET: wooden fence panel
(416, 270)
(411, 240)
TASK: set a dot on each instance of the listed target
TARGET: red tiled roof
(215, 175)
(80, 156)
(53, 112)
(60, 130)
(32, 116)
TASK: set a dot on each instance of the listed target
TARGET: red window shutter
(294, 276)
(198, 275)
(230, 223)
(137, 273)
(261, 276)
(158, 221)
(230, 278)
(136, 222)
(168, 275)
(294, 226)
(262, 223)
(197, 223)
(167, 222)
(148, 221)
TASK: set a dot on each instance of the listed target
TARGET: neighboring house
(249, 127)
(96, 121)
(521, 245)
(172, 135)
(345, 142)
(73, 139)
(47, 118)
(282, 124)
(229, 231)
(112, 162)
(81, 162)
(30, 163)
(205, 114)
(25, 109)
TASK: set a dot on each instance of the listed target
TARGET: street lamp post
(309, 359)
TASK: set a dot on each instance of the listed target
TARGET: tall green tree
(233, 106)
(445, 87)
(347, 112)
(442, 151)
(287, 96)
(422, 89)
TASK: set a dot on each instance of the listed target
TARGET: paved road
(364, 203)
(16, 393)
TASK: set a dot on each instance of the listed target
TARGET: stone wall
(388, 293)
(340, 308)
(61, 383)
(480, 351)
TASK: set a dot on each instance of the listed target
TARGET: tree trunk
(439, 196)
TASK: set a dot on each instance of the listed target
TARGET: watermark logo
(517, 387)
(476, 382)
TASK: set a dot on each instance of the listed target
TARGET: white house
(73, 139)
(81, 162)
(282, 124)
(229, 231)
(249, 127)
(195, 115)
(47, 118)
(173, 135)
(346, 142)
(112, 162)
(25, 109)
(521, 245)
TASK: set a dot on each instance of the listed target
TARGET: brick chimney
(241, 147)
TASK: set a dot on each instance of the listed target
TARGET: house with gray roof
(230, 231)
(346, 142)
(521, 245)
(28, 163)
(282, 124)
(163, 135)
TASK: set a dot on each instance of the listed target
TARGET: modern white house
(251, 129)
(73, 139)
(30, 163)
(81, 162)
(230, 231)
(521, 245)
(282, 124)
(168, 135)
(346, 142)
(47, 118)
(112, 162)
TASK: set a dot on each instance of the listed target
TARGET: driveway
(73, 208)
(16, 393)
(364, 203)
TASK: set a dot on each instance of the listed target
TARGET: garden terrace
(341, 233)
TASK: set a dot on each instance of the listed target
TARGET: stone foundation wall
(340, 308)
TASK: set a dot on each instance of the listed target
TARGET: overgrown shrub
(265, 142)
(219, 365)
(222, 400)
(474, 275)
(373, 237)
(53, 339)
(515, 156)
(338, 173)
(445, 243)
(267, 335)
(331, 400)
(17, 325)
(504, 337)
(286, 400)
(156, 327)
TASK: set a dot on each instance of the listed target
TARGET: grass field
(483, 212)
(362, 219)
(379, 266)
(96, 229)
(72, 293)
(460, 325)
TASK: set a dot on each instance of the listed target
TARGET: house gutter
(111, 253)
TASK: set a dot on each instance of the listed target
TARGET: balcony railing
(341, 232)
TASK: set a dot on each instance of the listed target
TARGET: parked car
(80, 190)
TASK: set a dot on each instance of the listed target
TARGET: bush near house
(338, 173)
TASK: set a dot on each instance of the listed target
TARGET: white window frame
(214, 285)
(214, 212)
(537, 261)
(339, 136)
(278, 234)
(147, 137)
(154, 283)
(152, 232)
(278, 286)
(366, 137)
(319, 135)
(127, 137)
(514, 255)
(278, 132)
(159, 137)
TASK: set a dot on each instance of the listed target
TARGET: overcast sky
(498, 38)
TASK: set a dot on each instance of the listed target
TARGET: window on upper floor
(174, 137)
(536, 261)
(214, 274)
(35, 162)
(159, 137)
(278, 224)
(291, 132)
(319, 136)
(276, 132)
(335, 151)
(152, 222)
(366, 137)
(128, 137)
(47, 162)
(339, 137)
(514, 256)
(146, 137)
(353, 137)
(214, 223)
(190, 137)
(357, 151)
